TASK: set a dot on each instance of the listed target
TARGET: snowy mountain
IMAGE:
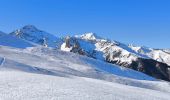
(31, 33)
(30, 69)
(137, 58)
(147, 60)
(161, 55)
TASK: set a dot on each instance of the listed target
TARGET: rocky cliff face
(152, 67)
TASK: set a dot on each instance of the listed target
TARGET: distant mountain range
(153, 62)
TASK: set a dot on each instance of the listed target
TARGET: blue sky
(141, 22)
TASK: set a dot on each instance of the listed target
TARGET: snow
(82, 64)
(129, 53)
(139, 49)
(31, 33)
(20, 85)
(47, 74)
(64, 48)
(160, 55)
(90, 42)
(89, 36)
(8, 40)
(29, 71)
(103, 47)
(125, 55)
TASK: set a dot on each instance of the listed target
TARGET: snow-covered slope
(128, 53)
(44, 73)
(8, 40)
(31, 33)
(91, 45)
(45, 87)
(65, 62)
(118, 53)
(30, 71)
(105, 49)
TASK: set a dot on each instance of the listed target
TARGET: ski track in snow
(2, 62)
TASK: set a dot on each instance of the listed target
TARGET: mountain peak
(33, 34)
(27, 30)
(30, 27)
(90, 36)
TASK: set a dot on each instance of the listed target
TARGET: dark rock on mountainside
(153, 68)
(148, 66)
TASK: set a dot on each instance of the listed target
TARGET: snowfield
(38, 73)
(27, 86)
(7, 40)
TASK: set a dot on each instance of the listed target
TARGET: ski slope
(38, 73)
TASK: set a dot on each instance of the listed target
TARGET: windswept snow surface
(38, 73)
(27, 86)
